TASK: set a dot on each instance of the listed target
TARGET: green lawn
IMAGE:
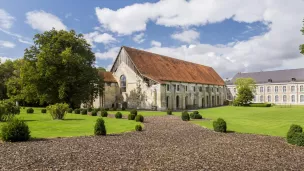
(43, 126)
(273, 121)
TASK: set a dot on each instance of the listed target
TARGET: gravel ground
(167, 143)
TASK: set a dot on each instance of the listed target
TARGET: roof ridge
(164, 56)
(270, 71)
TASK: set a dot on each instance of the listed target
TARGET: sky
(231, 36)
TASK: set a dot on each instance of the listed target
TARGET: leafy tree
(6, 71)
(302, 46)
(101, 69)
(245, 88)
(58, 68)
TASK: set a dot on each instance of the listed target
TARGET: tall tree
(245, 90)
(6, 71)
(302, 46)
(59, 67)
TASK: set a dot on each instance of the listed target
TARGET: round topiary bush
(77, 111)
(30, 110)
(131, 117)
(100, 128)
(58, 110)
(139, 118)
(138, 128)
(43, 110)
(195, 112)
(84, 111)
(192, 115)
(70, 110)
(220, 125)
(169, 112)
(94, 113)
(15, 130)
(104, 113)
(185, 116)
(118, 115)
(133, 111)
(292, 135)
(198, 116)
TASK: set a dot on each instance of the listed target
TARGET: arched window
(302, 98)
(284, 98)
(276, 98)
(284, 88)
(123, 84)
(292, 88)
(293, 98)
(268, 89)
(269, 98)
(301, 88)
(261, 99)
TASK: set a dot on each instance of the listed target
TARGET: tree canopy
(6, 71)
(59, 67)
(245, 90)
(302, 45)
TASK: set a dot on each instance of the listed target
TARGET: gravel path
(167, 143)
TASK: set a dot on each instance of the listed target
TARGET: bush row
(260, 105)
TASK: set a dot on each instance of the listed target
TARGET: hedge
(260, 105)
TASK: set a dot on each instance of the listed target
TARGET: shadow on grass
(229, 131)
(78, 119)
(29, 120)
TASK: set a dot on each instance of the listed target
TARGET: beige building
(278, 87)
(140, 79)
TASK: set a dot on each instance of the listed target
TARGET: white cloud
(21, 39)
(188, 36)
(110, 54)
(278, 46)
(6, 20)
(96, 37)
(7, 44)
(155, 43)
(3, 59)
(139, 38)
(43, 21)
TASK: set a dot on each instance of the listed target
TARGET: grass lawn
(43, 126)
(273, 121)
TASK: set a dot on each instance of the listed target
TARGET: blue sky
(231, 37)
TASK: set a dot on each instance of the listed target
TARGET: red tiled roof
(107, 76)
(162, 68)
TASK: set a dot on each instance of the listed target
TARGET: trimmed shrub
(192, 115)
(260, 104)
(30, 110)
(58, 110)
(291, 134)
(94, 113)
(220, 125)
(15, 130)
(131, 117)
(169, 112)
(226, 102)
(114, 109)
(195, 112)
(84, 111)
(70, 110)
(118, 115)
(138, 128)
(90, 109)
(123, 108)
(185, 116)
(133, 111)
(100, 128)
(139, 118)
(96, 109)
(77, 111)
(104, 113)
(43, 110)
(197, 116)
(299, 139)
(107, 109)
(7, 110)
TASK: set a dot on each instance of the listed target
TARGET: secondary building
(145, 80)
(278, 87)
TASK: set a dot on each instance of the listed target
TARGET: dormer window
(270, 80)
(293, 79)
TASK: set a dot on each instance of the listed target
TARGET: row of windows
(177, 87)
(284, 89)
(277, 98)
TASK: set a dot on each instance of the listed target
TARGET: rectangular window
(200, 89)
(293, 88)
(261, 89)
(177, 88)
(284, 89)
(168, 87)
(186, 87)
(194, 88)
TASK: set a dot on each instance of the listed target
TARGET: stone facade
(277, 93)
(145, 93)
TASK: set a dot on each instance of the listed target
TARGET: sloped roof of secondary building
(278, 76)
(107, 76)
(162, 68)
